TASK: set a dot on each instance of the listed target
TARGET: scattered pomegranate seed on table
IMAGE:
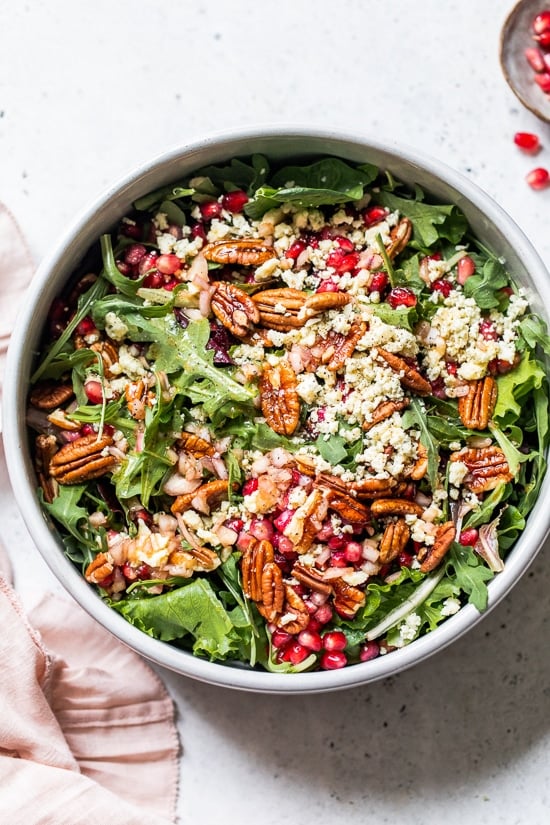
(538, 178)
(527, 142)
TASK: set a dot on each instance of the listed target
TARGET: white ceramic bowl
(489, 223)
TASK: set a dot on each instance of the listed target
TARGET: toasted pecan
(395, 507)
(243, 251)
(394, 540)
(431, 557)
(83, 459)
(47, 395)
(195, 445)
(347, 598)
(487, 468)
(399, 235)
(203, 499)
(279, 399)
(384, 410)
(476, 408)
(408, 376)
(234, 309)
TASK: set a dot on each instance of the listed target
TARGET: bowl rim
(43, 535)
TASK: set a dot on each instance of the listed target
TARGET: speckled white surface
(89, 90)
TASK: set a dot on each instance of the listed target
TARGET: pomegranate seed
(338, 559)
(328, 286)
(370, 650)
(235, 524)
(94, 392)
(379, 282)
(143, 571)
(443, 286)
(168, 264)
(538, 178)
(400, 296)
(337, 542)
(234, 201)
(311, 640)
(344, 243)
(171, 284)
(543, 80)
(469, 537)
(153, 280)
(295, 249)
(374, 214)
(342, 262)
(108, 429)
(198, 231)
(250, 486)
(87, 429)
(333, 661)
(245, 540)
(323, 614)
(334, 640)
(124, 269)
(465, 268)
(353, 552)
(543, 39)
(487, 330)
(283, 654)
(451, 367)
(546, 61)
(527, 141)
(314, 625)
(535, 59)
(285, 546)
(405, 559)
(280, 638)
(541, 23)
(297, 653)
(147, 263)
(210, 210)
(130, 230)
(283, 519)
(86, 326)
(134, 254)
(262, 529)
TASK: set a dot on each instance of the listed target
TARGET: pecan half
(347, 599)
(399, 235)
(476, 408)
(373, 488)
(384, 410)
(203, 499)
(59, 419)
(394, 540)
(420, 466)
(347, 507)
(99, 569)
(279, 399)
(432, 556)
(45, 449)
(82, 460)
(295, 606)
(311, 578)
(279, 308)
(273, 592)
(408, 376)
(195, 445)
(336, 348)
(395, 507)
(234, 309)
(135, 394)
(323, 302)
(47, 395)
(253, 560)
(108, 354)
(244, 251)
(487, 467)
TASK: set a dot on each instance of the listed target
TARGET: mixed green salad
(290, 416)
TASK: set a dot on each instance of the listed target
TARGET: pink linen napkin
(87, 729)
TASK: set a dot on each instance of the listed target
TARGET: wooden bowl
(515, 38)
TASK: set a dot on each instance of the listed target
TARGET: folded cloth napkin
(87, 729)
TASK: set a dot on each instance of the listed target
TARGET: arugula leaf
(111, 272)
(165, 193)
(513, 456)
(333, 449)
(469, 573)
(405, 317)
(430, 222)
(238, 174)
(484, 287)
(527, 377)
(67, 510)
(192, 610)
(415, 416)
(534, 331)
(326, 182)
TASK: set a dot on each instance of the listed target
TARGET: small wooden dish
(515, 38)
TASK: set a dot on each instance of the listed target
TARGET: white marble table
(89, 90)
